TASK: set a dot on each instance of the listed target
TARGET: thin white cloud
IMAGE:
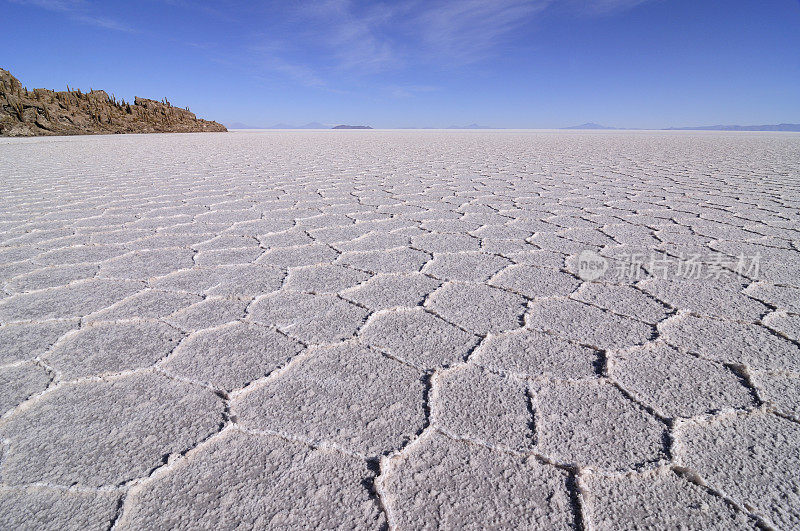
(603, 7)
(375, 37)
(353, 37)
(270, 56)
(408, 91)
(468, 31)
(102, 22)
(369, 38)
(54, 5)
(300, 73)
(80, 11)
(333, 43)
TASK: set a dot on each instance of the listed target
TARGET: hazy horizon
(478, 127)
(505, 64)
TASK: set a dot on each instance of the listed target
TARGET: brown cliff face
(40, 112)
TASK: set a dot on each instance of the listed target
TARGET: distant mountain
(240, 125)
(775, 127)
(352, 127)
(310, 125)
(589, 125)
(470, 126)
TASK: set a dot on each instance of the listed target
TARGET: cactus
(84, 112)
(18, 109)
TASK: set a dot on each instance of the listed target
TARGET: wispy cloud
(363, 37)
(102, 22)
(267, 59)
(376, 37)
(409, 91)
(340, 41)
(80, 11)
(468, 31)
(54, 5)
(354, 37)
(603, 7)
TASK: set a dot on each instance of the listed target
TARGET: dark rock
(352, 127)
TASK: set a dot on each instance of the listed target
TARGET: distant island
(352, 127)
(589, 125)
(470, 126)
(42, 112)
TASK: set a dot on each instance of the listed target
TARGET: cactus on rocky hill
(73, 112)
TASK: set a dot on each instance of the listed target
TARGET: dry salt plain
(400, 329)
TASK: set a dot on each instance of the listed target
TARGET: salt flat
(403, 329)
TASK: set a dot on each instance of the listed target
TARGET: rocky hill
(39, 112)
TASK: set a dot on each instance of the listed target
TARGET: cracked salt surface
(397, 329)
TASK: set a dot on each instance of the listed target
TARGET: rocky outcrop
(40, 112)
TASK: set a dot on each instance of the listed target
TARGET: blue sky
(503, 63)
